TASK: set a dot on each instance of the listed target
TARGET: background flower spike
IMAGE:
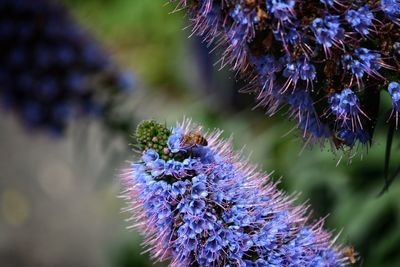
(50, 69)
(202, 204)
(307, 55)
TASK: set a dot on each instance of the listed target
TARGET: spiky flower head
(313, 49)
(206, 206)
(50, 70)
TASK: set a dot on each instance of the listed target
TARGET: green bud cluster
(153, 135)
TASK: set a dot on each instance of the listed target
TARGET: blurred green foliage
(144, 36)
(141, 34)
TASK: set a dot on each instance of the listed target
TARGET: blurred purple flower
(50, 70)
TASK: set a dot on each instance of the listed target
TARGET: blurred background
(59, 202)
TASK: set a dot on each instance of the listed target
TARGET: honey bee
(351, 254)
(194, 138)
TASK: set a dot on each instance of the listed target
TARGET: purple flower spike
(297, 54)
(221, 212)
(51, 71)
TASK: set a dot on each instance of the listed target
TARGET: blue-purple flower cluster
(360, 19)
(288, 48)
(394, 91)
(363, 62)
(205, 206)
(391, 8)
(49, 67)
(345, 106)
(328, 31)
